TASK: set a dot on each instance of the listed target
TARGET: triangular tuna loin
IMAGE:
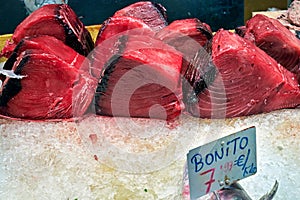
(248, 81)
(57, 20)
(187, 36)
(142, 79)
(276, 40)
(51, 88)
(122, 25)
(153, 14)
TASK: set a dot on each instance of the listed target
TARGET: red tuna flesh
(109, 34)
(141, 80)
(248, 81)
(122, 25)
(276, 40)
(44, 43)
(187, 36)
(57, 20)
(52, 88)
(193, 28)
(153, 14)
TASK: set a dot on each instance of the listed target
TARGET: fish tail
(271, 194)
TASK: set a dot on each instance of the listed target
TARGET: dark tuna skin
(241, 30)
(200, 74)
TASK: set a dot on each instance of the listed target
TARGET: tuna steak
(52, 88)
(187, 36)
(57, 20)
(142, 79)
(276, 40)
(122, 25)
(248, 81)
(153, 14)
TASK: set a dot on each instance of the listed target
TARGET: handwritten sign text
(222, 162)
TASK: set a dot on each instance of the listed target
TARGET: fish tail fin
(270, 195)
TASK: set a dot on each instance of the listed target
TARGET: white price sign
(222, 162)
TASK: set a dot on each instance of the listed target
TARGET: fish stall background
(226, 13)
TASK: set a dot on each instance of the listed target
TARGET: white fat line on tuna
(75, 60)
(9, 73)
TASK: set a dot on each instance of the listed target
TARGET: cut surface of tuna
(44, 43)
(57, 20)
(193, 28)
(187, 36)
(153, 14)
(111, 30)
(276, 40)
(142, 79)
(122, 25)
(248, 81)
(52, 88)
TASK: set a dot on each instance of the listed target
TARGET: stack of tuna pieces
(141, 66)
(48, 50)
